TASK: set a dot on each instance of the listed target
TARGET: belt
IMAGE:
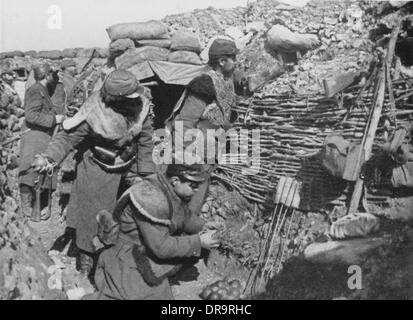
(34, 127)
(113, 168)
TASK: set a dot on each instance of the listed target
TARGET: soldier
(207, 104)
(59, 86)
(68, 67)
(112, 132)
(157, 233)
(63, 83)
(41, 117)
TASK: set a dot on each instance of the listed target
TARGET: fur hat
(222, 47)
(124, 84)
(40, 71)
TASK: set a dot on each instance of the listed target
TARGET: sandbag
(85, 53)
(339, 157)
(118, 47)
(138, 31)
(52, 55)
(69, 53)
(31, 53)
(187, 57)
(102, 53)
(185, 40)
(354, 225)
(279, 38)
(11, 54)
(161, 43)
(138, 55)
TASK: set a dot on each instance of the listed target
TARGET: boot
(26, 198)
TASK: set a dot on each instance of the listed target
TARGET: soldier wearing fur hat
(112, 132)
(63, 84)
(41, 117)
(60, 85)
(207, 104)
(156, 234)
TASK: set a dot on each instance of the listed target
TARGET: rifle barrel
(11, 140)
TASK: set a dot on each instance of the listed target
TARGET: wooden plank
(368, 141)
(339, 83)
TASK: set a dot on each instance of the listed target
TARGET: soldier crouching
(157, 233)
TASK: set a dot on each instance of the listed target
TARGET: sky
(58, 24)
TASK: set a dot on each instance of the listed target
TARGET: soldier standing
(41, 117)
(112, 132)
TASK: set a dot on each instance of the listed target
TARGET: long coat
(95, 188)
(156, 219)
(40, 118)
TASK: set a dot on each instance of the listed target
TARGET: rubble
(27, 272)
(23, 262)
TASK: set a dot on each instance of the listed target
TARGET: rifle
(79, 81)
(89, 61)
(72, 93)
(36, 213)
(11, 140)
(38, 184)
(1, 86)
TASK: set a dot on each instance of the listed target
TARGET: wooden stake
(374, 121)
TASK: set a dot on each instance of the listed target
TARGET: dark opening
(379, 32)
(21, 73)
(165, 96)
(404, 49)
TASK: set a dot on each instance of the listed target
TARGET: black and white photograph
(184, 151)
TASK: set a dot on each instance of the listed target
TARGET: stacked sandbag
(102, 53)
(161, 43)
(185, 40)
(31, 53)
(138, 31)
(11, 54)
(134, 43)
(138, 55)
(52, 54)
(69, 53)
(182, 56)
(118, 47)
(84, 53)
(185, 48)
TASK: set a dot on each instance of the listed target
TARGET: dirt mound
(385, 274)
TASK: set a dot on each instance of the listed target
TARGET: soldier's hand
(209, 240)
(71, 110)
(59, 118)
(213, 225)
(40, 164)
